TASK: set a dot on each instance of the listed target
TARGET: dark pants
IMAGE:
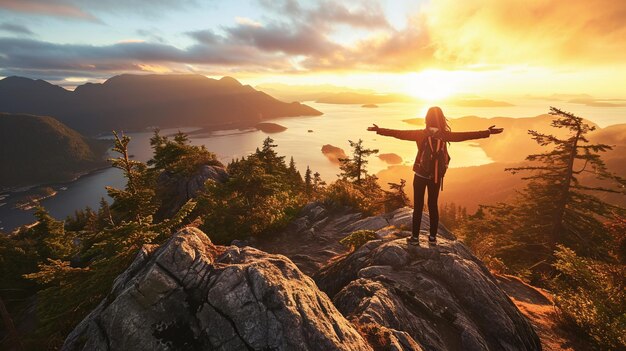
(419, 188)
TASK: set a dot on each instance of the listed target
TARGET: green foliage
(137, 201)
(355, 168)
(592, 297)
(355, 187)
(358, 238)
(396, 197)
(177, 155)
(366, 197)
(260, 196)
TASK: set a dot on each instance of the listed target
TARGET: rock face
(178, 190)
(441, 298)
(192, 295)
(401, 297)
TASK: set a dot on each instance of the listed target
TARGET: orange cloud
(520, 31)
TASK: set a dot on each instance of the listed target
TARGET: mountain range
(134, 102)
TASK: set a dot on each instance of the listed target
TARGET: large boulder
(192, 295)
(438, 297)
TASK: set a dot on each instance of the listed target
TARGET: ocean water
(339, 124)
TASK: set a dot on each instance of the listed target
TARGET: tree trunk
(557, 224)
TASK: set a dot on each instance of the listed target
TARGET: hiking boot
(432, 240)
(413, 240)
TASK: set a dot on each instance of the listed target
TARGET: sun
(432, 85)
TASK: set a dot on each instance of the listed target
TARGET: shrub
(366, 198)
(591, 297)
(358, 238)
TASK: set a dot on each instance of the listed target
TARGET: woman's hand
(374, 128)
(494, 130)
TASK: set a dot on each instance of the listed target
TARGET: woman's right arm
(412, 135)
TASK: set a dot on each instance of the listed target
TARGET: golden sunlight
(432, 85)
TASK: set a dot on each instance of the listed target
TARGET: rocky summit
(192, 295)
(440, 298)
(386, 295)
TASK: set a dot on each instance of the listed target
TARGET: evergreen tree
(52, 240)
(355, 168)
(318, 183)
(308, 182)
(269, 158)
(294, 176)
(136, 201)
(554, 201)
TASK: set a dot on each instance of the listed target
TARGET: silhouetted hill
(132, 102)
(37, 149)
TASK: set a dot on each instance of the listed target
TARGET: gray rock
(191, 295)
(369, 223)
(440, 298)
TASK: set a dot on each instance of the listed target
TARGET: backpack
(433, 159)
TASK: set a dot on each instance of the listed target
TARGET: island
(270, 128)
(390, 158)
(333, 153)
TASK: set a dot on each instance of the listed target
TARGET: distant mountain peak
(230, 80)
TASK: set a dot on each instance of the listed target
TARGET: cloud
(532, 32)
(15, 28)
(364, 14)
(245, 21)
(292, 36)
(31, 57)
(85, 9)
(298, 40)
(48, 8)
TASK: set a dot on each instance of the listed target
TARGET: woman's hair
(435, 118)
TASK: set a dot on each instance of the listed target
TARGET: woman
(431, 163)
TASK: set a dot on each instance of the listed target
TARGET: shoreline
(6, 192)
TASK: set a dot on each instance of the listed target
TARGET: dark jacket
(420, 134)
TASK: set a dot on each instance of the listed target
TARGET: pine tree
(318, 183)
(308, 182)
(355, 168)
(50, 236)
(554, 201)
(268, 156)
(137, 200)
(105, 219)
(294, 176)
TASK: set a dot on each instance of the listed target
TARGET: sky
(425, 48)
